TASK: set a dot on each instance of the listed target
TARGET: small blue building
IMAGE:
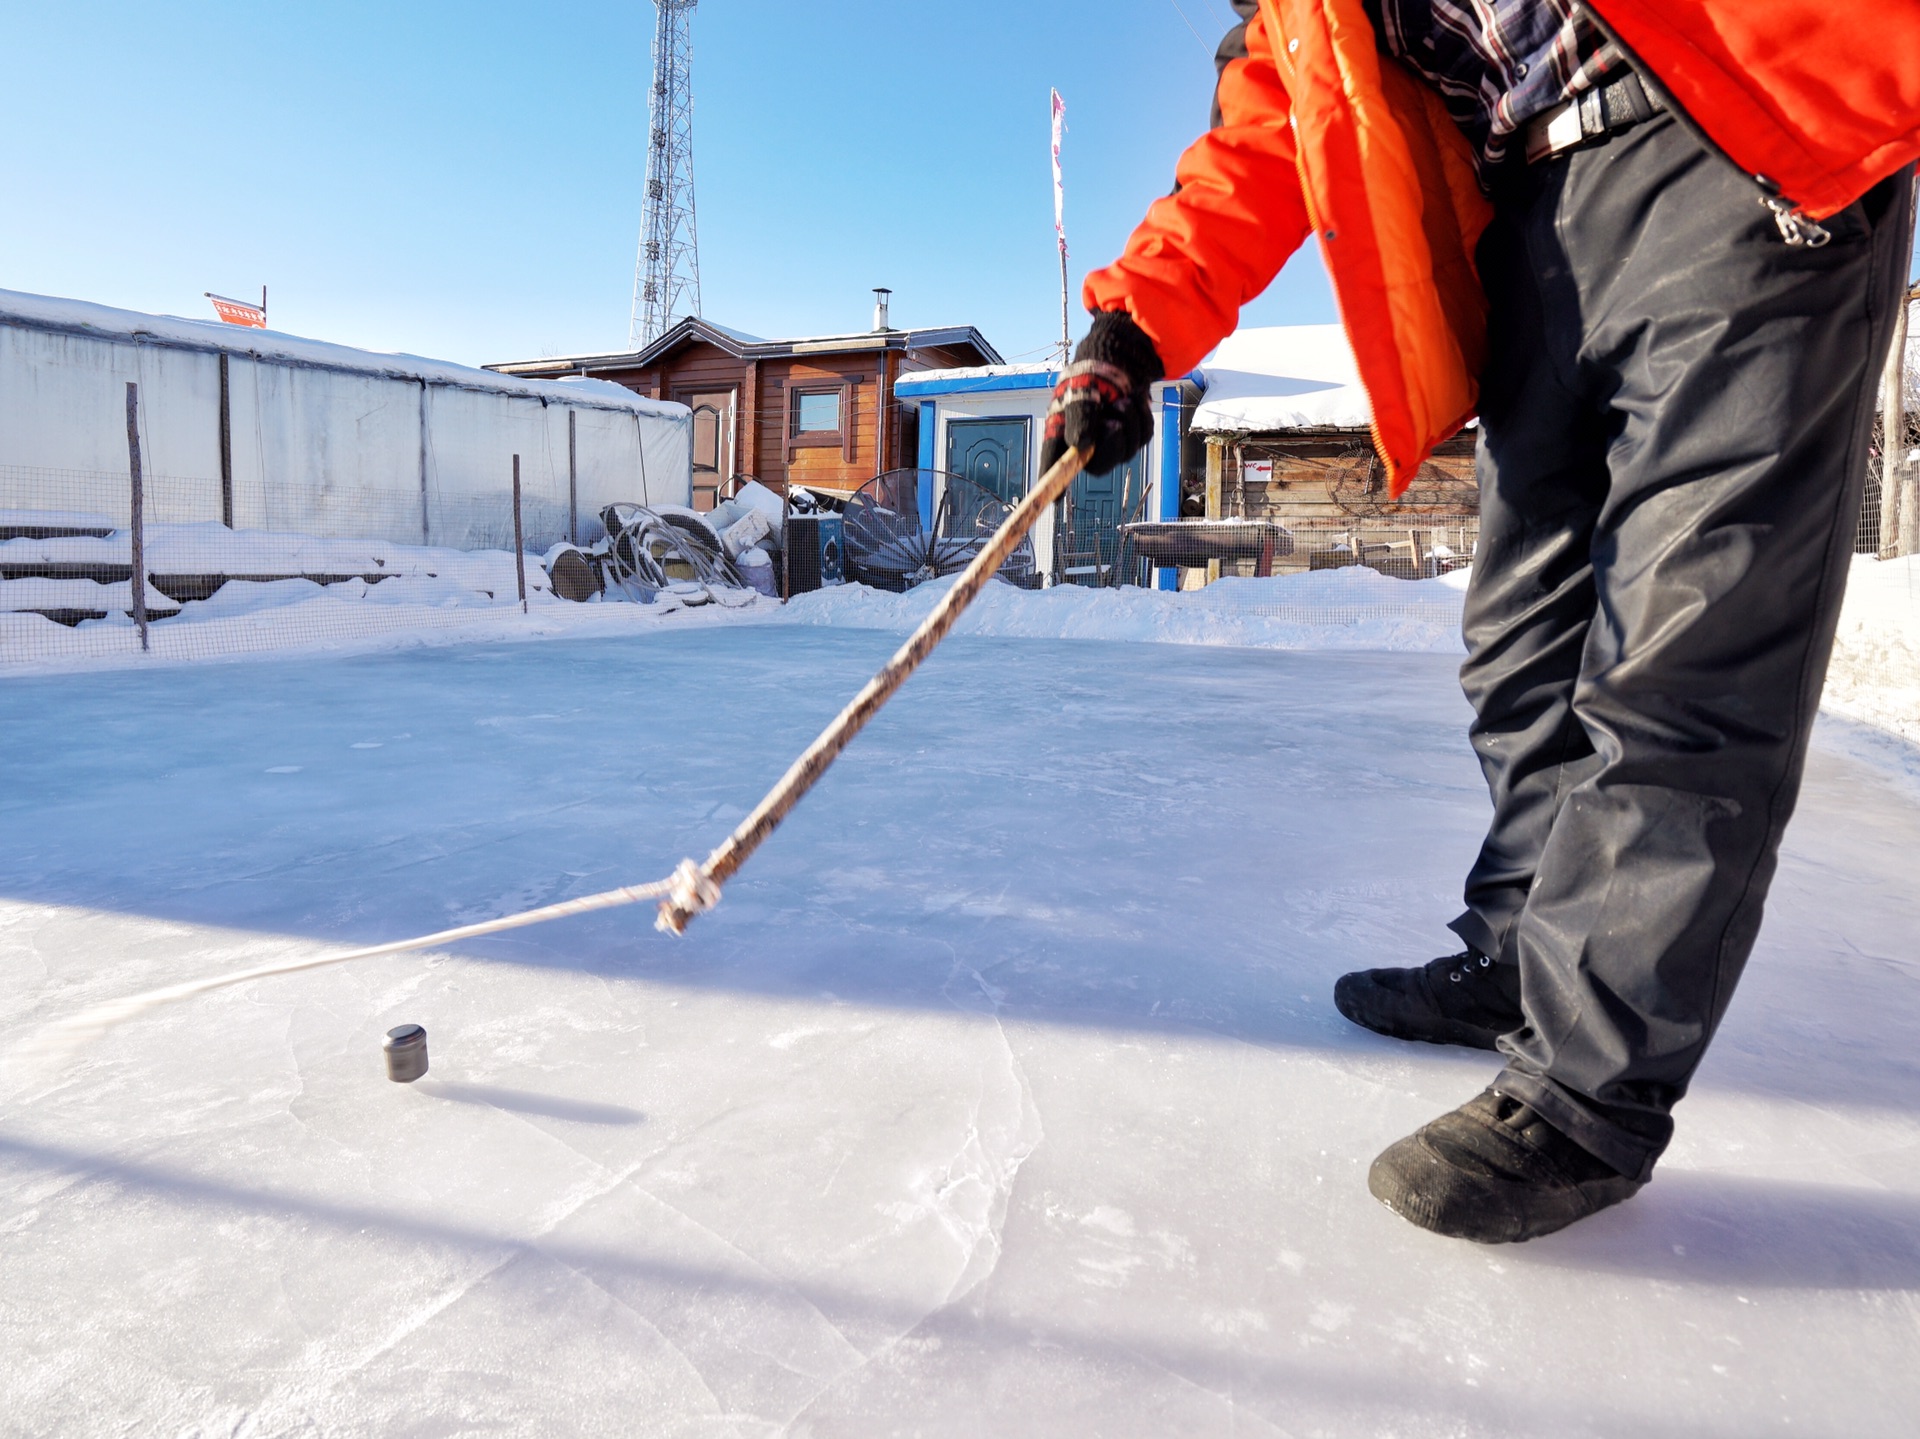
(985, 424)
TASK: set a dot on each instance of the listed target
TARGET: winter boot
(1495, 1172)
(1462, 999)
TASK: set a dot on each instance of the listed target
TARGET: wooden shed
(819, 412)
(1287, 434)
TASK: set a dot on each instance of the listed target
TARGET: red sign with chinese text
(239, 312)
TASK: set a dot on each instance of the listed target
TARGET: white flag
(1059, 186)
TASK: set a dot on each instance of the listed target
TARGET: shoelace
(1471, 962)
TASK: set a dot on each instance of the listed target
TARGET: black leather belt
(1590, 118)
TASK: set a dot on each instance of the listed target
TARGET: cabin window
(817, 413)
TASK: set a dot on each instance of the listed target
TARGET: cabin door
(1090, 518)
(991, 453)
(712, 444)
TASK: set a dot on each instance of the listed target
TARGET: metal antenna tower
(666, 279)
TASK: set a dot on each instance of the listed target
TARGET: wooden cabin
(1329, 478)
(818, 412)
(1287, 433)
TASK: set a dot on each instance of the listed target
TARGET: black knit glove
(1104, 400)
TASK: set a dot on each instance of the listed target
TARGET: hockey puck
(406, 1049)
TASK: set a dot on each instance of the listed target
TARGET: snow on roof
(741, 335)
(1044, 377)
(696, 329)
(79, 317)
(1282, 377)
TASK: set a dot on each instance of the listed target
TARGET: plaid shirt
(1496, 63)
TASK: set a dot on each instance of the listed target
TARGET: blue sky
(464, 180)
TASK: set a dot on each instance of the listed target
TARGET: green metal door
(991, 453)
(1089, 526)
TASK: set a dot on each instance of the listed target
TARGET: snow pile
(27, 521)
(1875, 676)
(291, 617)
(1345, 609)
(88, 596)
(287, 594)
(211, 549)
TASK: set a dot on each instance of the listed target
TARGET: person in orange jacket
(1655, 249)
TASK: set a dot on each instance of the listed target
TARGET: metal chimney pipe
(880, 324)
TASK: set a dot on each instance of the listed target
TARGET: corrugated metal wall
(320, 451)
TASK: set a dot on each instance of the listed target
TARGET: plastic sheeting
(325, 440)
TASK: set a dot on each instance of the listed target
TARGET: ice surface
(1001, 1095)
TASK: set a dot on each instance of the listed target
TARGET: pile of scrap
(651, 551)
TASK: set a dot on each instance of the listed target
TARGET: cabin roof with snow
(1279, 378)
(738, 344)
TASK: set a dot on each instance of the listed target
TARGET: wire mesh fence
(1191, 555)
(1890, 516)
(96, 568)
(1238, 569)
(89, 573)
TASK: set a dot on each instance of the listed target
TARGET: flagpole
(1060, 230)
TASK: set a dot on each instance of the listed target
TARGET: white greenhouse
(261, 431)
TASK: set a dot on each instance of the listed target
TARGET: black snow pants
(1674, 428)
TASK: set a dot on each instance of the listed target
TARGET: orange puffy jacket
(1320, 133)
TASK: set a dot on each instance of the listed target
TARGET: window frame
(841, 438)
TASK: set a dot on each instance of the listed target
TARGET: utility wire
(1189, 24)
(1224, 23)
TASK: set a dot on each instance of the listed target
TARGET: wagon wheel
(1357, 481)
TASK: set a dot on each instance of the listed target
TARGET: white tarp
(1282, 377)
(326, 440)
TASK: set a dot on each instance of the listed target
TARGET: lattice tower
(666, 279)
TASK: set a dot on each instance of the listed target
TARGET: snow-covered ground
(416, 595)
(1875, 676)
(1002, 1095)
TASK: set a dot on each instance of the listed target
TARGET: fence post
(1216, 484)
(1909, 477)
(426, 521)
(573, 477)
(519, 540)
(1893, 434)
(137, 530)
(226, 444)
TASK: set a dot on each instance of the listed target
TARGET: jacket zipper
(1796, 226)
